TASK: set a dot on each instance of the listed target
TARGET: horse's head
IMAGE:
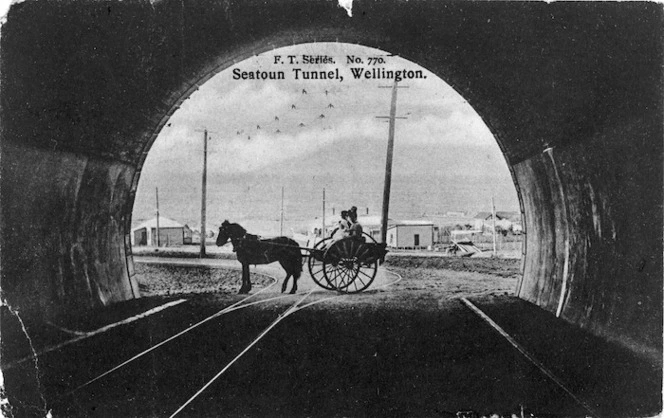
(230, 231)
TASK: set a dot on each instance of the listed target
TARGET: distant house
(371, 225)
(410, 234)
(504, 220)
(196, 236)
(171, 233)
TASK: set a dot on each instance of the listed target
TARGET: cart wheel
(315, 261)
(346, 267)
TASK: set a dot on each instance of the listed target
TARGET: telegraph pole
(203, 194)
(203, 190)
(388, 162)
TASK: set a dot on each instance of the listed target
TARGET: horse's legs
(287, 266)
(246, 282)
(283, 286)
(294, 288)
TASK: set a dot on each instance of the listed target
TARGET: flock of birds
(294, 117)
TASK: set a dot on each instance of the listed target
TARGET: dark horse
(251, 250)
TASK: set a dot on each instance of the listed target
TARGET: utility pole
(203, 191)
(203, 194)
(157, 193)
(388, 163)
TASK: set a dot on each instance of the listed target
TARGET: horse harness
(251, 239)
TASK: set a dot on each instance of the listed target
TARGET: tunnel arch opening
(448, 126)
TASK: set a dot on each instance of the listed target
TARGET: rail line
(84, 335)
(79, 335)
(532, 359)
(241, 304)
(399, 278)
(235, 306)
(291, 310)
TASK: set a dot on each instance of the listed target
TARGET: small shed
(410, 234)
(171, 233)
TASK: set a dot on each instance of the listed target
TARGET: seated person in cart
(343, 228)
(340, 232)
(367, 252)
(348, 226)
(370, 252)
(355, 229)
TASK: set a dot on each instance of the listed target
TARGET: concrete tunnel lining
(86, 87)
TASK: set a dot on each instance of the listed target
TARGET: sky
(305, 135)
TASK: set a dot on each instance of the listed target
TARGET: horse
(252, 250)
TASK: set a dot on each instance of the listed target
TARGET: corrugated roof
(163, 223)
(499, 215)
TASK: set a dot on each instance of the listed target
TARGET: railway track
(246, 302)
(215, 371)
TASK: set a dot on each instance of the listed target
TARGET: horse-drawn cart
(347, 265)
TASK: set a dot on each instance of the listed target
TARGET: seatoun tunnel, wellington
(572, 92)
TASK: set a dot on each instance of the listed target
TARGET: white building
(410, 234)
(170, 233)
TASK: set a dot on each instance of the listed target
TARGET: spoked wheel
(349, 266)
(316, 257)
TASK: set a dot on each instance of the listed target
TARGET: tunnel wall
(593, 238)
(75, 208)
(571, 91)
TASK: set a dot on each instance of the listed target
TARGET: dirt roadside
(439, 277)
